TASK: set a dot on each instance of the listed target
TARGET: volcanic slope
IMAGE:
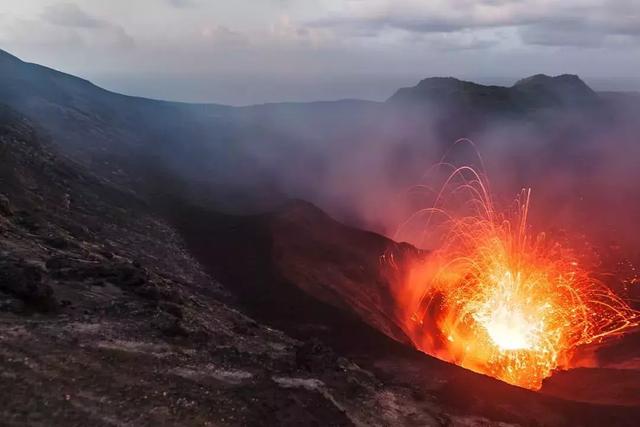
(308, 275)
(105, 319)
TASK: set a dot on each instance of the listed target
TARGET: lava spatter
(498, 299)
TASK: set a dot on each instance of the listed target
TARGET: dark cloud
(85, 28)
(373, 26)
(456, 15)
(590, 30)
(570, 23)
(70, 15)
(454, 41)
(552, 34)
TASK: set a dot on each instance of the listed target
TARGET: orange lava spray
(497, 299)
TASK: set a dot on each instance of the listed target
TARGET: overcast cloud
(247, 51)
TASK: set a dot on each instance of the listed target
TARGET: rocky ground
(106, 320)
(110, 315)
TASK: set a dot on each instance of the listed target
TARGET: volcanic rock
(5, 206)
(26, 282)
(140, 333)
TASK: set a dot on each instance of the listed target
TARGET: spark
(498, 299)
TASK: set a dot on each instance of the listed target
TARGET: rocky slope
(106, 320)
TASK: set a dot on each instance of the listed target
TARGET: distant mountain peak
(441, 81)
(446, 83)
(564, 89)
(452, 91)
(562, 80)
(537, 91)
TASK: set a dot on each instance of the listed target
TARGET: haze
(248, 51)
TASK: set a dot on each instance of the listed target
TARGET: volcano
(305, 273)
(160, 262)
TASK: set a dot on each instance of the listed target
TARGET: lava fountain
(494, 297)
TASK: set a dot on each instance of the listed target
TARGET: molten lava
(497, 299)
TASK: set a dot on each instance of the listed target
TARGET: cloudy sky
(250, 51)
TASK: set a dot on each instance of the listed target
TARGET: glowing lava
(510, 325)
(496, 299)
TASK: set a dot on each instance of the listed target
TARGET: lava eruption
(496, 298)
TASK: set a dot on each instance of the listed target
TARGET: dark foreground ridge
(106, 319)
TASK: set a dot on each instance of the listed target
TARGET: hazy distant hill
(539, 91)
(462, 109)
(228, 151)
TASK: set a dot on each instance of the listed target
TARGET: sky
(252, 51)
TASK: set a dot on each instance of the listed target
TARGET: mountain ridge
(434, 82)
(536, 91)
